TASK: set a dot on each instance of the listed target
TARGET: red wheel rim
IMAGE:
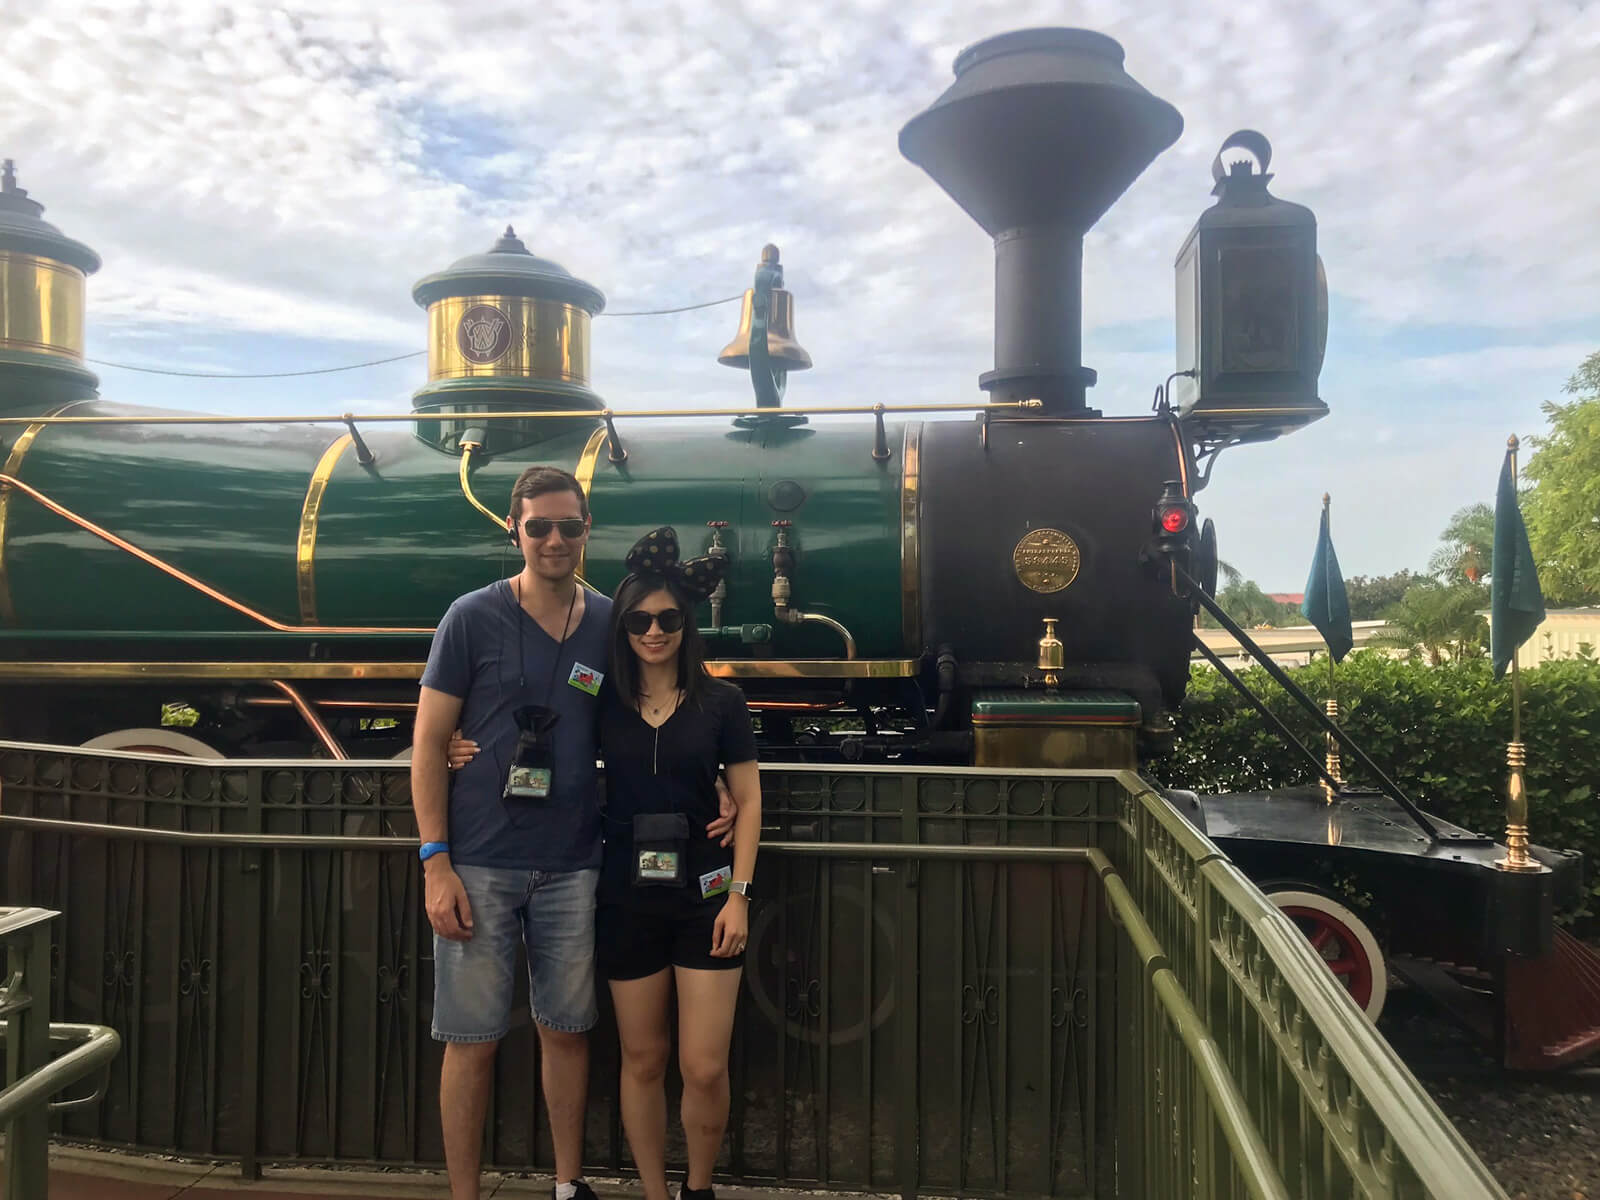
(1338, 947)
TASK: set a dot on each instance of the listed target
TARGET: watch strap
(428, 849)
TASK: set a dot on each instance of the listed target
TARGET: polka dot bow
(656, 553)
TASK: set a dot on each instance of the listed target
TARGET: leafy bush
(1439, 732)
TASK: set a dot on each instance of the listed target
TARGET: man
(513, 855)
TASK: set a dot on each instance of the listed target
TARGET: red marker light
(1174, 520)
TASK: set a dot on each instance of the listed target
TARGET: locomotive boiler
(1010, 583)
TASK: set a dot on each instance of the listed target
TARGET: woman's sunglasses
(638, 621)
(538, 528)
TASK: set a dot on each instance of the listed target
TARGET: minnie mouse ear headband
(655, 556)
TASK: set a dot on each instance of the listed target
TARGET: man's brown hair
(539, 481)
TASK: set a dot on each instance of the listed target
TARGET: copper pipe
(565, 414)
(309, 716)
(184, 577)
(792, 706)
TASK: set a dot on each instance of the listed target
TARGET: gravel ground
(1540, 1135)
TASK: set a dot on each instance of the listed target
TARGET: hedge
(1438, 732)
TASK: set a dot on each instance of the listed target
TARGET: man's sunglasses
(538, 528)
(638, 621)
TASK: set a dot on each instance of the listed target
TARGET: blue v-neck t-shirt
(475, 658)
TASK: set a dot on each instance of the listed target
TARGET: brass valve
(1052, 655)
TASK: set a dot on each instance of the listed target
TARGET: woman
(672, 904)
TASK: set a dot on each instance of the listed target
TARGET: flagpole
(1330, 791)
(1517, 857)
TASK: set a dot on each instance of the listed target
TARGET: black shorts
(633, 943)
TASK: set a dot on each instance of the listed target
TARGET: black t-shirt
(670, 769)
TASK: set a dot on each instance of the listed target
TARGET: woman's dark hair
(692, 676)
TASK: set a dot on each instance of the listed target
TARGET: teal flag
(1516, 605)
(1326, 605)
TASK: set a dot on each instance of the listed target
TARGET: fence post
(253, 868)
(27, 1051)
(908, 1111)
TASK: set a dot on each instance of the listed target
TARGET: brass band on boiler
(517, 336)
(41, 305)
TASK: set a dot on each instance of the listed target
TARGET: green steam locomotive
(1011, 584)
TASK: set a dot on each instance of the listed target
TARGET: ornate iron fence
(960, 982)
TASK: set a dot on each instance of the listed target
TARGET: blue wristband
(429, 849)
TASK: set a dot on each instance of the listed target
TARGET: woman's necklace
(655, 711)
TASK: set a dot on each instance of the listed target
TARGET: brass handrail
(568, 414)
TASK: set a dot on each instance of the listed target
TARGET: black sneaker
(584, 1192)
(688, 1193)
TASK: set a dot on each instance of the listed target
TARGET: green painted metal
(845, 530)
(396, 541)
(962, 982)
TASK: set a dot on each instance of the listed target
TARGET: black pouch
(531, 767)
(660, 847)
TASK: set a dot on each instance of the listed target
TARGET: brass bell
(785, 351)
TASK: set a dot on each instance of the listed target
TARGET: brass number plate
(1046, 560)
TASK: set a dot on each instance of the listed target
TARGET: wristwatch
(742, 886)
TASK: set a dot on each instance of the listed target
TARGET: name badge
(714, 883)
(528, 783)
(585, 679)
(659, 866)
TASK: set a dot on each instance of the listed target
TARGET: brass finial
(769, 255)
(8, 176)
(1326, 499)
(1512, 444)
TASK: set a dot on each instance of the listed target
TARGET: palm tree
(1467, 546)
(1438, 622)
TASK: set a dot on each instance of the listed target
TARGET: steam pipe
(782, 564)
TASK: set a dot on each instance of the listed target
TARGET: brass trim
(910, 537)
(467, 451)
(524, 337)
(13, 463)
(42, 302)
(264, 672)
(563, 414)
(306, 543)
(184, 577)
(1183, 459)
(585, 477)
(8, 611)
(813, 668)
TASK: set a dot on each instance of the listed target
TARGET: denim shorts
(552, 914)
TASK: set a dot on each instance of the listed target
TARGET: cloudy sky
(265, 184)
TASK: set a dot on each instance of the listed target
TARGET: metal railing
(959, 981)
(32, 1076)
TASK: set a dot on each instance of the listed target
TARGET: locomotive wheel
(1343, 941)
(152, 741)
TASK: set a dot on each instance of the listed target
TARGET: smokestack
(1039, 134)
